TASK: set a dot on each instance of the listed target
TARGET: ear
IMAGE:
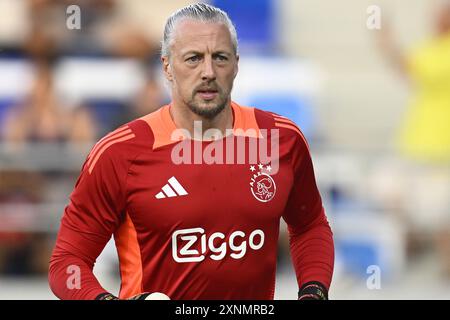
(167, 68)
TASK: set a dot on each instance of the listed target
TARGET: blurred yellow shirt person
(425, 133)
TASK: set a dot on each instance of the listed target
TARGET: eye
(221, 58)
(193, 59)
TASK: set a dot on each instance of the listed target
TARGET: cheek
(184, 86)
(228, 78)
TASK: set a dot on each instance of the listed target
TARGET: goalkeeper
(196, 229)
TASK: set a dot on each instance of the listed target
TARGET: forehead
(200, 36)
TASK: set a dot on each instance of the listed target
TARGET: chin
(207, 109)
(209, 105)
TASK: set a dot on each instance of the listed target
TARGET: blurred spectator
(425, 134)
(103, 32)
(17, 254)
(40, 118)
(43, 118)
(150, 98)
(49, 34)
(424, 139)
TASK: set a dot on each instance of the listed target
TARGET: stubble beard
(210, 109)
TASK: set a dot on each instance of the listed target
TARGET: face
(201, 67)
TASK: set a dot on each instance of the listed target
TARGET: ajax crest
(262, 184)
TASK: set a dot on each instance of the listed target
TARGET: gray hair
(200, 12)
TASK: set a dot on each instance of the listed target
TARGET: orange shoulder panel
(162, 126)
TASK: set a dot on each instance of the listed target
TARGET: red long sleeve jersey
(194, 230)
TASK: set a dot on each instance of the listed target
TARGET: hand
(140, 296)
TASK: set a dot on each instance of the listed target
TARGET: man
(200, 229)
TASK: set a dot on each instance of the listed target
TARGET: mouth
(207, 94)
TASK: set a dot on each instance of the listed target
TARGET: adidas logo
(172, 189)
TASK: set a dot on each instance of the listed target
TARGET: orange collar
(163, 126)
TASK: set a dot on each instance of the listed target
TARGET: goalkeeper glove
(140, 296)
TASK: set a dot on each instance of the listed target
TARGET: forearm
(312, 252)
(70, 278)
(71, 265)
(392, 51)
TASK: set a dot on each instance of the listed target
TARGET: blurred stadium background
(315, 61)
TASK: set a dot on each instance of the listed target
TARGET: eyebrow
(194, 52)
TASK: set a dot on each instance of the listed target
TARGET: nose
(208, 72)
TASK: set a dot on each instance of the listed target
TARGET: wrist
(106, 296)
(313, 290)
(140, 296)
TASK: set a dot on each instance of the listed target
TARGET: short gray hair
(201, 12)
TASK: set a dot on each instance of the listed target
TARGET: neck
(184, 118)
